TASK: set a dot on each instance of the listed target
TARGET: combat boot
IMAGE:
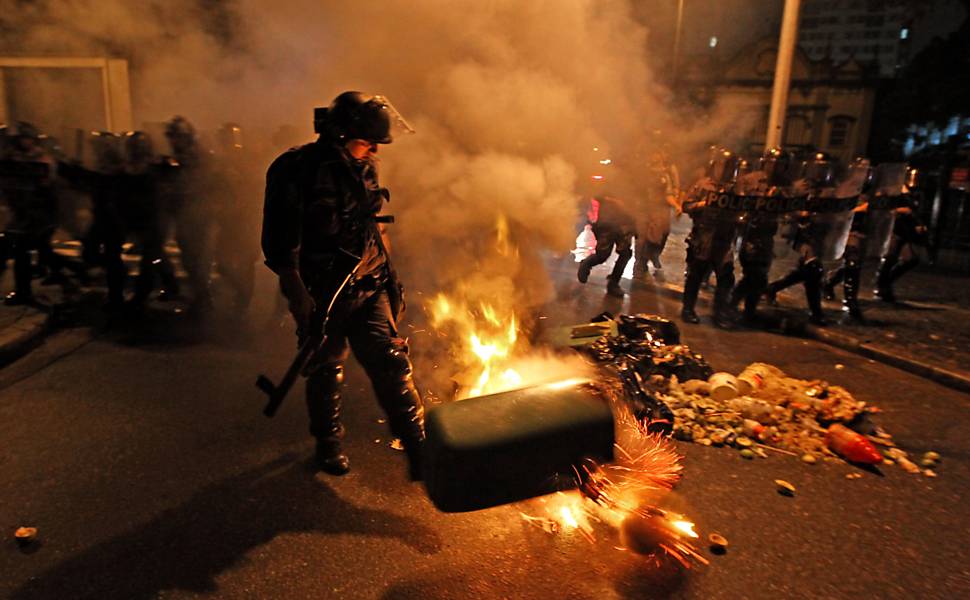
(18, 299)
(813, 275)
(884, 280)
(324, 404)
(330, 457)
(828, 288)
(796, 275)
(850, 304)
(584, 269)
(692, 282)
(613, 289)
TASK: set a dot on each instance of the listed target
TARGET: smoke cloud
(508, 99)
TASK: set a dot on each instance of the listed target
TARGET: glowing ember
(686, 527)
(626, 495)
(567, 518)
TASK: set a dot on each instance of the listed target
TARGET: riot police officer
(907, 233)
(614, 227)
(758, 229)
(321, 238)
(849, 272)
(188, 202)
(710, 244)
(27, 186)
(809, 236)
(145, 216)
(234, 211)
(653, 217)
(106, 184)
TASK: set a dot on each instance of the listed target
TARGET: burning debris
(627, 496)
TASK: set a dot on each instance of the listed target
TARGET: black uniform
(710, 247)
(318, 219)
(614, 227)
(849, 272)
(756, 253)
(27, 185)
(108, 232)
(908, 232)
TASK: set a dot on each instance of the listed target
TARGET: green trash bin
(492, 450)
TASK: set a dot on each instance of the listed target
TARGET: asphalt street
(142, 457)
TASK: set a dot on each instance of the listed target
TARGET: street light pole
(680, 21)
(779, 93)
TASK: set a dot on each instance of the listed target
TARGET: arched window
(798, 130)
(839, 130)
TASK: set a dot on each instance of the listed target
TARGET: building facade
(830, 105)
(869, 31)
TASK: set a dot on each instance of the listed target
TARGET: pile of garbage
(762, 408)
(759, 410)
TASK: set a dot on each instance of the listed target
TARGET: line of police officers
(136, 196)
(823, 210)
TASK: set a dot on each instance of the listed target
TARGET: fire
(487, 332)
(627, 496)
(486, 340)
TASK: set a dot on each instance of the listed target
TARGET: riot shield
(889, 181)
(714, 230)
(832, 211)
(760, 206)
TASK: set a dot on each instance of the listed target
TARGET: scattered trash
(25, 535)
(381, 421)
(724, 386)
(396, 444)
(902, 459)
(785, 488)
(929, 473)
(853, 476)
(852, 446)
(674, 390)
(718, 542)
(934, 456)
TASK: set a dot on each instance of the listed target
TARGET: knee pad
(328, 377)
(397, 364)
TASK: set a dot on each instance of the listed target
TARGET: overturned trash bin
(501, 448)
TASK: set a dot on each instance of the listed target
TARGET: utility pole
(676, 60)
(779, 93)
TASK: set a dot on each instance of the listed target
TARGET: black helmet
(179, 126)
(107, 151)
(776, 165)
(138, 147)
(352, 115)
(819, 170)
(23, 129)
(723, 166)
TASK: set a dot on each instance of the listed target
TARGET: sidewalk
(927, 332)
(22, 328)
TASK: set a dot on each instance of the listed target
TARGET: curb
(952, 379)
(23, 335)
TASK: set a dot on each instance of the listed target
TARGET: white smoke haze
(507, 97)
